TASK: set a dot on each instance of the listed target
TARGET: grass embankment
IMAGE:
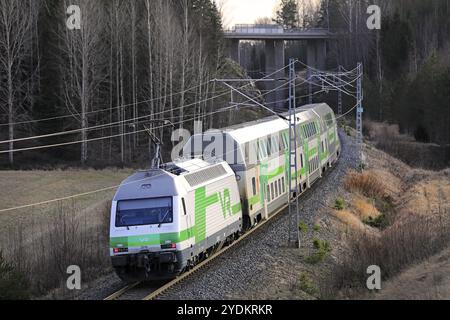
(394, 217)
(39, 243)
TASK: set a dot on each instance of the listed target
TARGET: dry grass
(365, 183)
(426, 198)
(349, 220)
(425, 281)
(365, 210)
(422, 155)
(70, 236)
(418, 226)
(396, 248)
(41, 242)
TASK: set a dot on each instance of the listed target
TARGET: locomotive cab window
(144, 212)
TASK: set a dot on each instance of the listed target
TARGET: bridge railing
(268, 29)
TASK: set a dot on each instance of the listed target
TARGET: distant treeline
(114, 76)
(407, 62)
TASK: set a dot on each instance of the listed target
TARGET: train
(166, 220)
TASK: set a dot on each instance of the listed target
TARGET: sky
(246, 11)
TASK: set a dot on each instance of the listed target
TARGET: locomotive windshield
(144, 212)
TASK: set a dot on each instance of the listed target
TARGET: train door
(188, 218)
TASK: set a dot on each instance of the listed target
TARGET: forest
(133, 67)
(141, 68)
(406, 62)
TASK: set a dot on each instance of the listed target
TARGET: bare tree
(16, 24)
(83, 57)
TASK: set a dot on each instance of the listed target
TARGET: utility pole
(294, 237)
(310, 86)
(339, 92)
(359, 113)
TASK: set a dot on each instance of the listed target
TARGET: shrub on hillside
(13, 285)
(398, 247)
(365, 183)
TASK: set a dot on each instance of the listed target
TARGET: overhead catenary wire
(88, 192)
(107, 109)
(106, 188)
(135, 103)
(122, 134)
(118, 123)
(101, 126)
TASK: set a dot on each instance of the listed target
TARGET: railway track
(155, 292)
(125, 290)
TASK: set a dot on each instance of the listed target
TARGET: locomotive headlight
(238, 177)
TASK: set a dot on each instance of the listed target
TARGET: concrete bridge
(274, 37)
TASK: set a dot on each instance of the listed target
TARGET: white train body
(210, 203)
(165, 220)
(258, 152)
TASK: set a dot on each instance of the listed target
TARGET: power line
(102, 126)
(108, 109)
(121, 134)
(130, 104)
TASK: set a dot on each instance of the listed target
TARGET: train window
(269, 146)
(279, 186)
(141, 212)
(285, 141)
(268, 193)
(275, 145)
(281, 144)
(276, 189)
(273, 191)
(262, 150)
(263, 144)
(301, 160)
(283, 184)
(254, 185)
(184, 206)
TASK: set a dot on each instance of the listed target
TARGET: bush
(316, 228)
(379, 222)
(398, 246)
(306, 284)
(322, 248)
(13, 285)
(365, 183)
(339, 204)
(68, 236)
(303, 227)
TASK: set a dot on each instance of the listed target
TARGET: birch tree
(82, 63)
(16, 24)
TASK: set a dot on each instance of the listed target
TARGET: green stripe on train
(162, 238)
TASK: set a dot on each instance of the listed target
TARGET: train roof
(253, 130)
(162, 182)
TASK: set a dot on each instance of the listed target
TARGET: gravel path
(249, 267)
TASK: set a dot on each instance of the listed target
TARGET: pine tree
(287, 15)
